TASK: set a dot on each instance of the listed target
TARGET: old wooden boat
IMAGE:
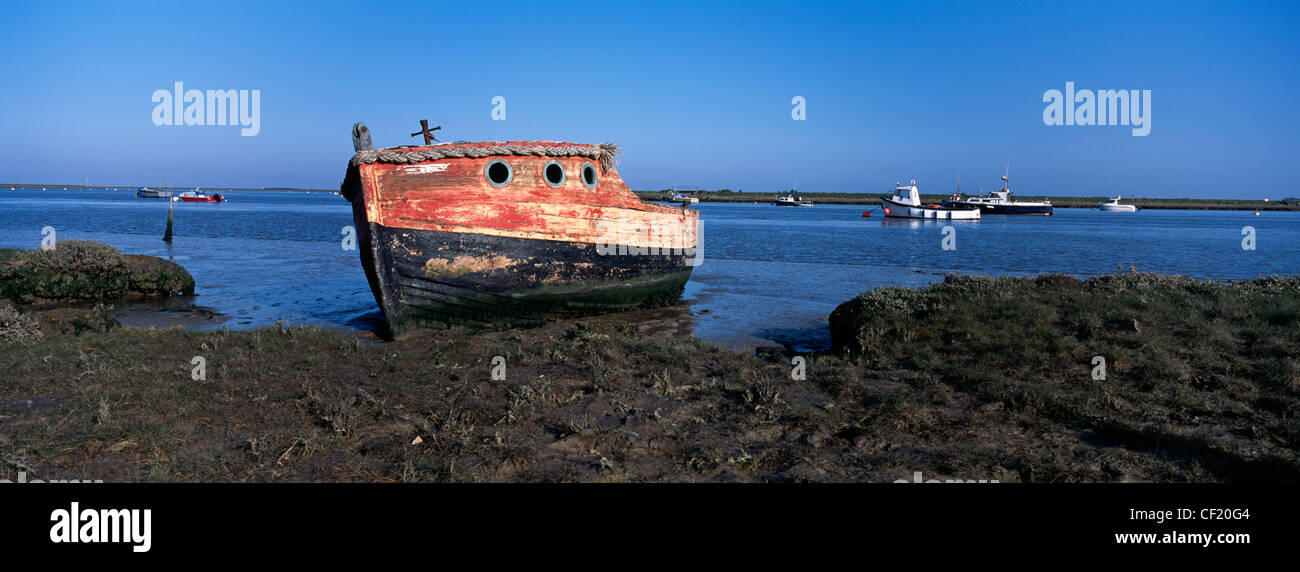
(510, 233)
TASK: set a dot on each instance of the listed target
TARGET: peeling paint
(462, 265)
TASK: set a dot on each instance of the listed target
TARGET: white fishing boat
(906, 203)
(794, 199)
(1000, 202)
(1113, 206)
(683, 197)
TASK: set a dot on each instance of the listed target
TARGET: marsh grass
(76, 270)
(1201, 386)
(1187, 361)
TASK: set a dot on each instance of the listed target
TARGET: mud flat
(1201, 385)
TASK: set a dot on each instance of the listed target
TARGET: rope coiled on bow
(605, 153)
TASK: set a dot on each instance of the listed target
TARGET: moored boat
(906, 203)
(1113, 206)
(197, 196)
(683, 197)
(510, 233)
(794, 199)
(148, 193)
(1000, 202)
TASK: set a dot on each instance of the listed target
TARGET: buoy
(1256, 213)
(866, 213)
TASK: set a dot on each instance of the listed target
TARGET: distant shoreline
(133, 188)
(871, 199)
(867, 199)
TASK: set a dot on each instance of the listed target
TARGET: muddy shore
(1201, 384)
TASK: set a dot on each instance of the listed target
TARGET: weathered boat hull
(442, 246)
(509, 281)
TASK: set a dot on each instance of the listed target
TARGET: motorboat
(794, 199)
(197, 196)
(1000, 202)
(148, 193)
(1113, 206)
(906, 203)
(683, 197)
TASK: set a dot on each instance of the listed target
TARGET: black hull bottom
(435, 279)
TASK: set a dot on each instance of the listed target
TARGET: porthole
(498, 173)
(589, 176)
(553, 172)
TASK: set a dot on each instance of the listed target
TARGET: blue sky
(698, 94)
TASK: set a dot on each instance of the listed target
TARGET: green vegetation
(974, 378)
(1203, 376)
(78, 270)
(17, 327)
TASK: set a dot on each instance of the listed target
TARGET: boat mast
(1006, 184)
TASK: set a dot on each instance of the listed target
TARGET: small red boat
(197, 196)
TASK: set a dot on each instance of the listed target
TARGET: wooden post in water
(167, 236)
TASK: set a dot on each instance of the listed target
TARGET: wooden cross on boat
(426, 132)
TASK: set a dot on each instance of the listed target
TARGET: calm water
(769, 273)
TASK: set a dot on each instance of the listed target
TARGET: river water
(770, 274)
